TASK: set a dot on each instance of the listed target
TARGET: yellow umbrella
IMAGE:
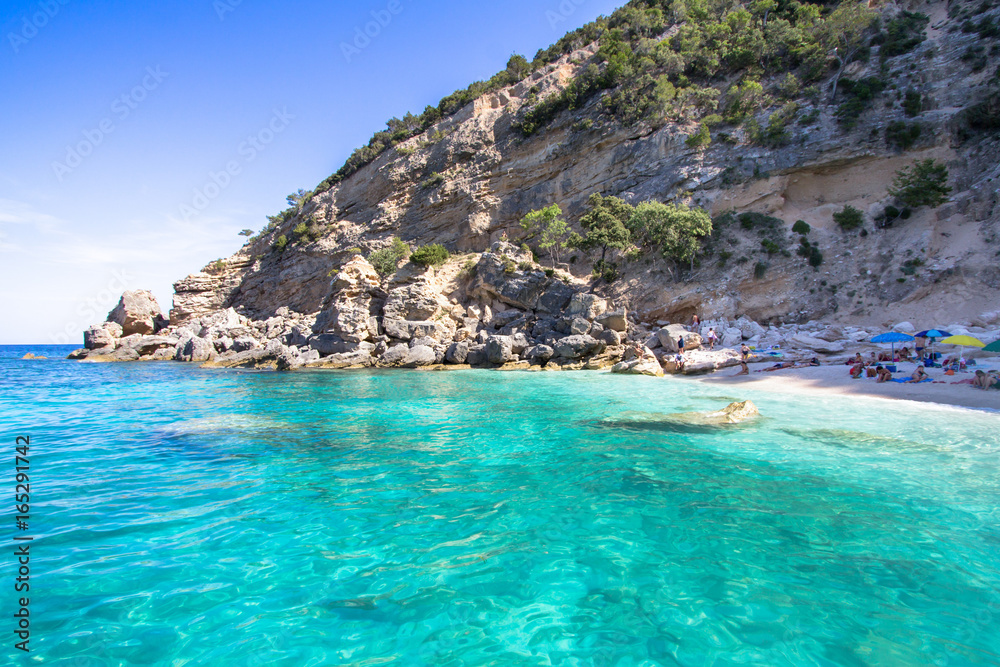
(964, 341)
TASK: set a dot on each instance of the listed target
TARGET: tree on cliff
(844, 33)
(605, 223)
(675, 230)
(547, 224)
(925, 183)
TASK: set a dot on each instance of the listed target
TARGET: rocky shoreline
(500, 312)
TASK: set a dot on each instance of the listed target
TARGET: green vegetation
(759, 270)
(913, 103)
(718, 59)
(801, 227)
(699, 138)
(890, 215)
(898, 133)
(925, 183)
(676, 231)
(860, 95)
(984, 116)
(280, 243)
(910, 266)
(606, 224)
(810, 251)
(246, 232)
(434, 254)
(433, 181)
(386, 260)
(849, 218)
(902, 34)
(552, 231)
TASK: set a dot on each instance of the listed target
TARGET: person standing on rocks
(680, 344)
(695, 322)
(745, 353)
(711, 338)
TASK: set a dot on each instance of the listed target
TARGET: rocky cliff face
(468, 180)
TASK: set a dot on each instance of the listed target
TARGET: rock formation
(290, 298)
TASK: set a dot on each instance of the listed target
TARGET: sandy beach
(835, 380)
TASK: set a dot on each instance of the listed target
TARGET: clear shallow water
(471, 518)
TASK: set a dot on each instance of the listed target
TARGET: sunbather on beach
(983, 381)
(857, 369)
(919, 375)
(778, 367)
(904, 354)
(883, 374)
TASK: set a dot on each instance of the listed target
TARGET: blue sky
(116, 115)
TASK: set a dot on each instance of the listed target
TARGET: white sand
(835, 380)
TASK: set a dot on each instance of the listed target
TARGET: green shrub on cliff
(848, 218)
(434, 254)
(925, 183)
(386, 260)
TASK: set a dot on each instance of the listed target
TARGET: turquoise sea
(189, 517)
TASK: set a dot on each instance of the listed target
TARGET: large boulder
(734, 413)
(615, 320)
(807, 342)
(499, 349)
(588, 306)
(477, 355)
(137, 312)
(420, 355)
(539, 354)
(611, 337)
(579, 326)
(457, 353)
(147, 345)
(577, 346)
(195, 349)
(98, 337)
(644, 364)
(394, 356)
(409, 329)
(670, 334)
(327, 344)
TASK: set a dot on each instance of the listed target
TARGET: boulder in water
(734, 413)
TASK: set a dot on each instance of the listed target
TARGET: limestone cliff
(468, 180)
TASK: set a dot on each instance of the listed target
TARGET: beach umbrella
(964, 342)
(892, 338)
(932, 334)
(992, 347)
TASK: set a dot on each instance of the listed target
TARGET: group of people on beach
(877, 366)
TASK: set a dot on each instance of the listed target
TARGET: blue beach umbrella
(892, 338)
(932, 334)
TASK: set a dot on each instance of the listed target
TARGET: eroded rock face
(137, 312)
(97, 336)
